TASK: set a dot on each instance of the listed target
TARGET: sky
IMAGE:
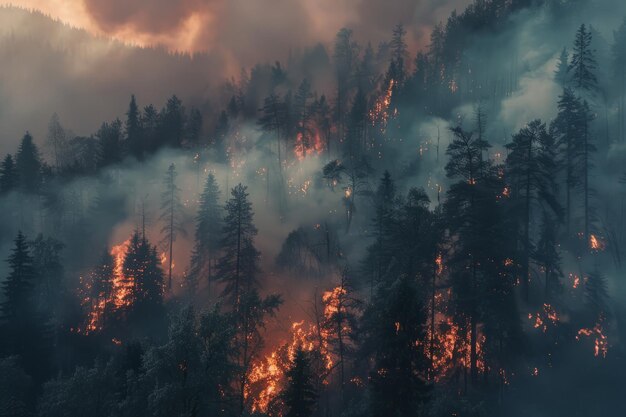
(237, 28)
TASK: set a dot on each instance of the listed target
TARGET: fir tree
(133, 131)
(341, 324)
(208, 232)
(171, 209)
(9, 179)
(21, 324)
(110, 139)
(583, 62)
(28, 165)
(300, 394)
(530, 167)
(391, 324)
(561, 74)
(238, 266)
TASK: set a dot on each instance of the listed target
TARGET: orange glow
(596, 243)
(119, 294)
(600, 343)
(544, 318)
(379, 114)
(305, 147)
(453, 348)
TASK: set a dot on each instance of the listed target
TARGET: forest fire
(596, 243)
(545, 317)
(308, 146)
(452, 349)
(102, 302)
(379, 114)
(267, 377)
(600, 343)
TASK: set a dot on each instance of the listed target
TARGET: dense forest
(360, 230)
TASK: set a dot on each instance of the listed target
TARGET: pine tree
(102, 285)
(238, 266)
(597, 294)
(193, 130)
(172, 123)
(49, 268)
(208, 233)
(345, 55)
(133, 130)
(619, 72)
(150, 128)
(546, 255)
(303, 117)
(171, 208)
(392, 323)
(19, 286)
(399, 54)
(273, 120)
(479, 250)
(300, 394)
(567, 128)
(57, 140)
(110, 139)
(583, 62)
(379, 254)
(22, 326)
(143, 276)
(9, 179)
(530, 168)
(28, 165)
(341, 323)
(250, 317)
(220, 136)
(561, 74)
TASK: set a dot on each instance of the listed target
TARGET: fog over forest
(235, 208)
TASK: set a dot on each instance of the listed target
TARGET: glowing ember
(600, 344)
(379, 114)
(596, 243)
(306, 146)
(453, 349)
(542, 319)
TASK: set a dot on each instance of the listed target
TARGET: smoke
(243, 30)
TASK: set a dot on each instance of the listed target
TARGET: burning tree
(339, 325)
(250, 319)
(394, 328)
(300, 394)
(482, 284)
(170, 216)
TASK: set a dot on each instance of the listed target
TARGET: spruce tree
(171, 209)
(392, 323)
(143, 279)
(111, 144)
(583, 62)
(208, 233)
(530, 168)
(238, 266)
(132, 129)
(28, 165)
(379, 254)
(9, 179)
(619, 72)
(300, 394)
(561, 74)
(22, 326)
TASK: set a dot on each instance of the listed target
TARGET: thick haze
(238, 28)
